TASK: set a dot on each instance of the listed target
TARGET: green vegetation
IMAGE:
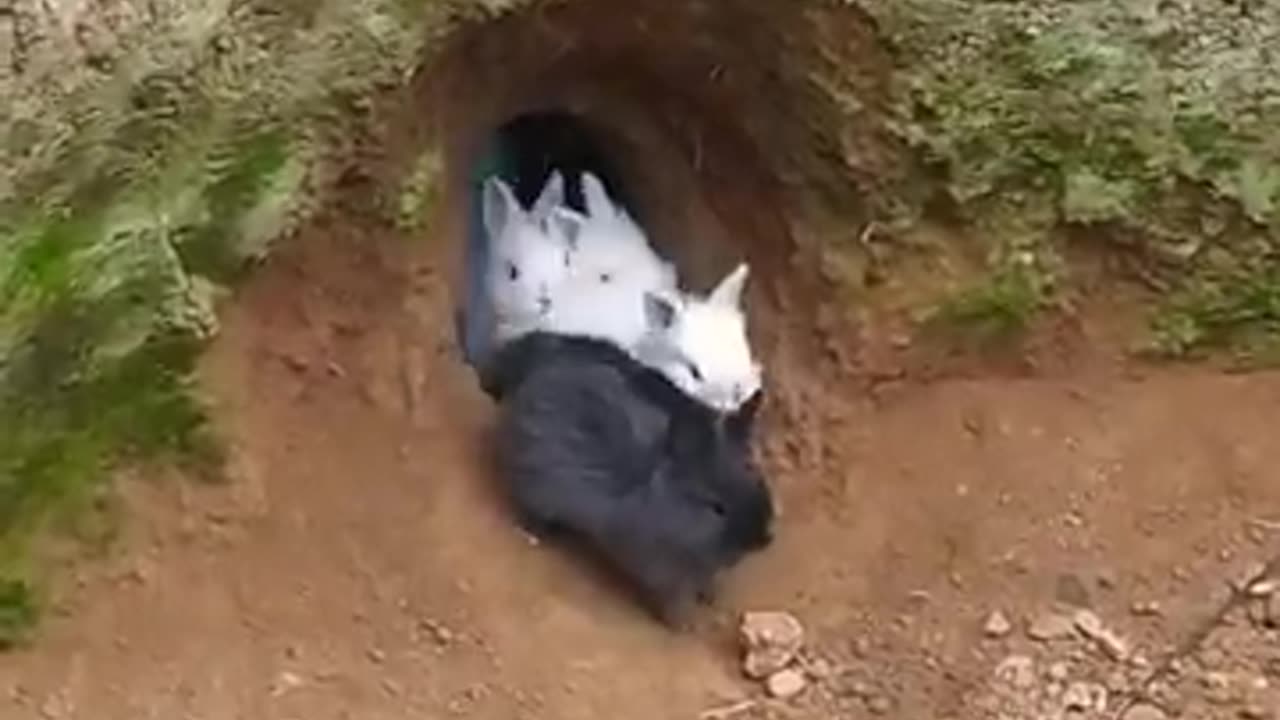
(1239, 313)
(996, 310)
(19, 613)
(140, 194)
(1151, 124)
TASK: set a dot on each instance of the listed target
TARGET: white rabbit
(611, 267)
(611, 246)
(701, 344)
(529, 258)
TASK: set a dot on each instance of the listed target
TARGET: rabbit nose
(544, 303)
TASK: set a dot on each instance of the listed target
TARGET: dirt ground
(938, 539)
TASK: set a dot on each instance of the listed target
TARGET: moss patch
(136, 195)
(1148, 122)
(1239, 313)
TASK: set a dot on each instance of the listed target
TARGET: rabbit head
(700, 343)
(530, 256)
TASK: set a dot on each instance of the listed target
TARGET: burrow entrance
(704, 119)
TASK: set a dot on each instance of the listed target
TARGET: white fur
(611, 267)
(529, 258)
(616, 288)
(612, 246)
(701, 344)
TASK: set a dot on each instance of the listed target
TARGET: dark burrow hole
(527, 148)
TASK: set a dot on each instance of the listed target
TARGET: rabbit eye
(513, 272)
(693, 370)
(606, 277)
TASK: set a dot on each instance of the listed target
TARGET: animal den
(616, 179)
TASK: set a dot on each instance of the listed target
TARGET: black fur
(598, 448)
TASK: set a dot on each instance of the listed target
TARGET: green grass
(1239, 313)
(19, 612)
(998, 309)
(135, 198)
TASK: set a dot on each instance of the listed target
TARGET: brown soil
(357, 564)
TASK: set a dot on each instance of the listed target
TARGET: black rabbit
(597, 448)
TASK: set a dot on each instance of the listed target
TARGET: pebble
(997, 625)
(1084, 697)
(1263, 588)
(879, 705)
(1273, 611)
(771, 640)
(1147, 608)
(785, 684)
(1050, 626)
(1090, 625)
(1017, 671)
(1144, 712)
(1256, 712)
(1215, 681)
(819, 669)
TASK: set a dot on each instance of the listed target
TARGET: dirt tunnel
(710, 119)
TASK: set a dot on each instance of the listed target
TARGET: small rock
(997, 625)
(771, 641)
(1215, 680)
(879, 705)
(1050, 626)
(285, 682)
(376, 655)
(1059, 671)
(1273, 611)
(1017, 671)
(785, 684)
(1144, 712)
(1264, 588)
(861, 689)
(1147, 608)
(1255, 711)
(819, 669)
(1084, 697)
(1090, 625)
(295, 362)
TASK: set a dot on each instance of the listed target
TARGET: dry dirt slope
(357, 566)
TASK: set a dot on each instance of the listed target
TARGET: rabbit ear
(567, 224)
(498, 203)
(729, 292)
(660, 310)
(551, 197)
(594, 196)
